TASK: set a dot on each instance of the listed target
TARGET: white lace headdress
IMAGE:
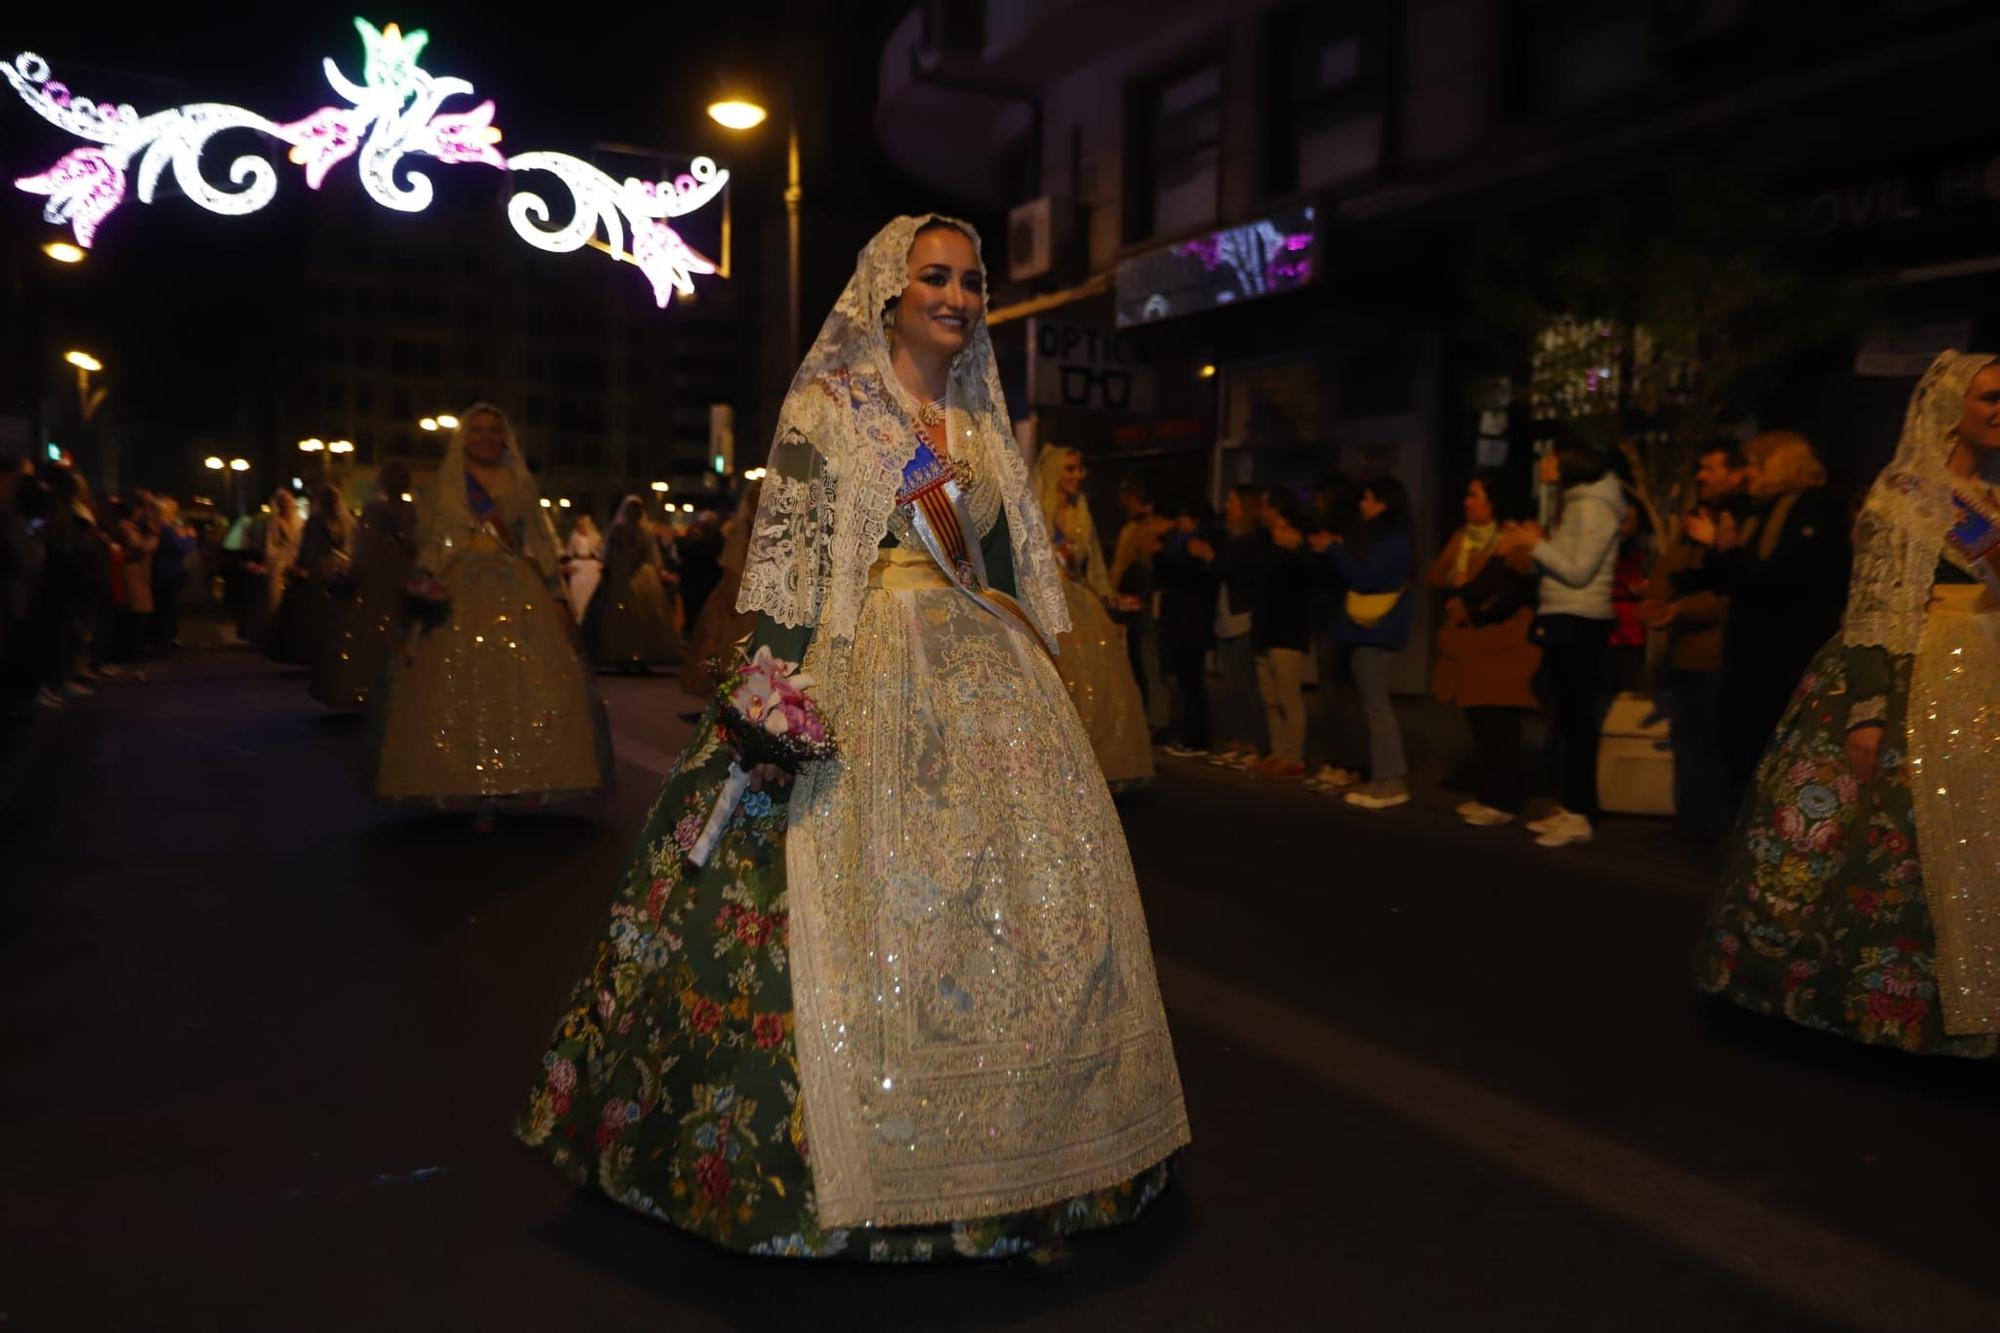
(448, 521)
(843, 439)
(1900, 534)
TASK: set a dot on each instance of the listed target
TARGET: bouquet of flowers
(427, 601)
(767, 719)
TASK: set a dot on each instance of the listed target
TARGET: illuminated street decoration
(394, 113)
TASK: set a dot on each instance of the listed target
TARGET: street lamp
(743, 114)
(239, 465)
(428, 423)
(341, 447)
(660, 488)
(64, 253)
(213, 464)
(312, 446)
(442, 421)
(87, 399)
(564, 502)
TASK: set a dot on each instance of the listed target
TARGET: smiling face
(1979, 428)
(485, 438)
(945, 297)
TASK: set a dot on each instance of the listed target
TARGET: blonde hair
(1049, 465)
(1786, 463)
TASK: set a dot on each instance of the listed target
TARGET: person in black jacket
(1239, 564)
(1281, 629)
(1784, 571)
(1187, 586)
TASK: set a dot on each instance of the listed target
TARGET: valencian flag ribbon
(1976, 534)
(933, 501)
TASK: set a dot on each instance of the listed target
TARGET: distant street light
(213, 464)
(428, 423)
(736, 115)
(239, 465)
(546, 503)
(63, 252)
(83, 361)
(564, 502)
(660, 488)
(341, 447)
(448, 421)
(687, 509)
(312, 446)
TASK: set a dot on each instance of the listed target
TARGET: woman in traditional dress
(631, 621)
(368, 609)
(721, 626)
(305, 618)
(1862, 897)
(277, 550)
(583, 564)
(1094, 664)
(489, 702)
(905, 1008)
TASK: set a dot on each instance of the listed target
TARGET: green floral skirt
(1822, 917)
(672, 1082)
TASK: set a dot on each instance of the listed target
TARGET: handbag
(1369, 609)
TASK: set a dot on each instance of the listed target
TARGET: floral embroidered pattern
(1823, 917)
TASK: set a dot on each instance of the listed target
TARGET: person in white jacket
(1576, 563)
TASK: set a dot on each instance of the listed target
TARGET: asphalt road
(264, 1040)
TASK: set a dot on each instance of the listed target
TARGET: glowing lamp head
(735, 114)
(64, 253)
(83, 361)
(659, 488)
(213, 464)
(341, 447)
(407, 497)
(447, 421)
(564, 502)
(429, 423)
(546, 504)
(311, 446)
(1207, 372)
(239, 465)
(687, 509)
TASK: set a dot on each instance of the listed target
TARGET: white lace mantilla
(844, 436)
(1901, 531)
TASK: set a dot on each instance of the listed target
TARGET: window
(334, 398)
(402, 358)
(1175, 152)
(400, 444)
(364, 350)
(399, 404)
(364, 398)
(1327, 87)
(433, 359)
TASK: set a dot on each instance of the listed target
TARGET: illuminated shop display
(394, 114)
(1261, 258)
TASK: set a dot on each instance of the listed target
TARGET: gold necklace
(931, 413)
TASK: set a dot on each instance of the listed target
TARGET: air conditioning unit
(1041, 237)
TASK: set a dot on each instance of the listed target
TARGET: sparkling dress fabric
(495, 703)
(367, 613)
(979, 1026)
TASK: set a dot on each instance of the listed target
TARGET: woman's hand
(1700, 528)
(1864, 750)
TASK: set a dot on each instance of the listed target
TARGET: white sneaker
(1547, 821)
(1484, 816)
(1384, 795)
(1331, 779)
(1464, 808)
(1571, 829)
(1179, 751)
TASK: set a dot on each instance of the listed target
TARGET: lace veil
(843, 439)
(448, 522)
(1900, 533)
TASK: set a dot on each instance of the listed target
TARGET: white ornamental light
(395, 112)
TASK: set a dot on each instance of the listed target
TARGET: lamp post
(742, 114)
(88, 400)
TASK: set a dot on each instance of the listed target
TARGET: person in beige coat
(1486, 659)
